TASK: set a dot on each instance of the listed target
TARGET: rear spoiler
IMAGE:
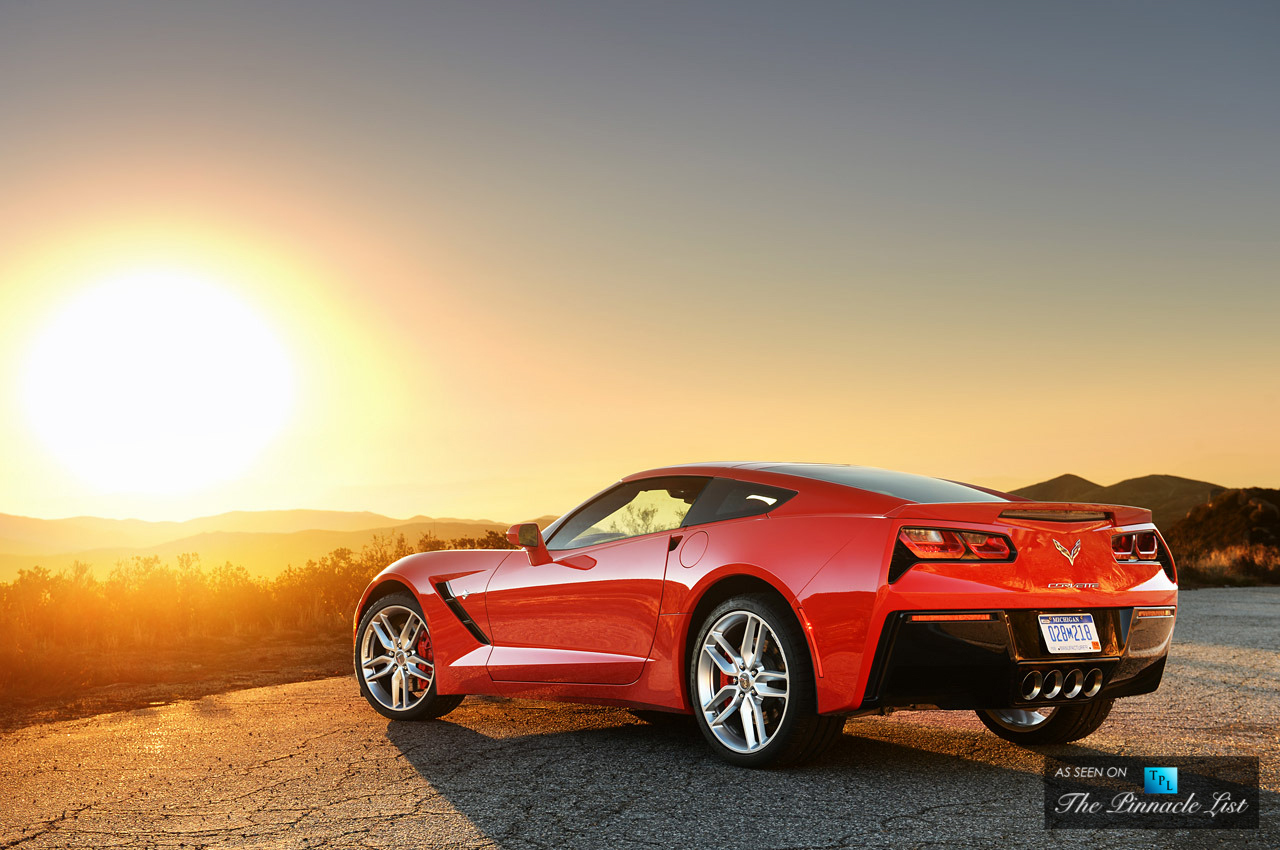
(990, 512)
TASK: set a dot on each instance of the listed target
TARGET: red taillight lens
(945, 544)
(1147, 545)
(1122, 546)
(949, 618)
(988, 546)
(932, 542)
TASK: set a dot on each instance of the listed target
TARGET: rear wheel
(751, 680)
(395, 663)
(1056, 725)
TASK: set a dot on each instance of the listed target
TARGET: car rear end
(1019, 605)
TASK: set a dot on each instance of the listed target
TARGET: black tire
(428, 705)
(800, 733)
(1067, 723)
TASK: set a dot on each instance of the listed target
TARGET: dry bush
(1236, 566)
(60, 631)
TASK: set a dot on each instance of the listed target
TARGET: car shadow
(542, 783)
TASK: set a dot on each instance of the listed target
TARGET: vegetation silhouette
(66, 631)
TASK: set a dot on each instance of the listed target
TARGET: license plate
(1069, 633)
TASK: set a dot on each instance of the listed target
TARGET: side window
(629, 510)
(725, 498)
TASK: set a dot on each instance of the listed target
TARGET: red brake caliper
(424, 652)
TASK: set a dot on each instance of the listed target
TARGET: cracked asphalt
(309, 765)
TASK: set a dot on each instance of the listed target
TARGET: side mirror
(528, 536)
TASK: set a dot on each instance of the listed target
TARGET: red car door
(588, 617)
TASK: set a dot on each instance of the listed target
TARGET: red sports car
(772, 600)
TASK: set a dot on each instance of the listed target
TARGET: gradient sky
(518, 250)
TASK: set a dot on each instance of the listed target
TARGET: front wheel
(751, 680)
(395, 663)
(1057, 725)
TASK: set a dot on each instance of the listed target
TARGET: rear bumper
(996, 662)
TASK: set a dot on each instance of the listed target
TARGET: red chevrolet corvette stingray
(772, 600)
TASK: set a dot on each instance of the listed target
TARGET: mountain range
(265, 542)
(1168, 497)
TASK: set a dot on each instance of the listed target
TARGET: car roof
(900, 486)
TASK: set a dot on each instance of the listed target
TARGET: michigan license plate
(1067, 633)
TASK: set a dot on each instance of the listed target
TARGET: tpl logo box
(1160, 780)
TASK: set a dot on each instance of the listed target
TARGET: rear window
(725, 498)
(899, 485)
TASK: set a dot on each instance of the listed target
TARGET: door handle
(675, 541)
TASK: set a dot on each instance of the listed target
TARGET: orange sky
(511, 259)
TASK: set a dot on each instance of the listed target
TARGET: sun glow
(157, 380)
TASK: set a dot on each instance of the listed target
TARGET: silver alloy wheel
(396, 675)
(1020, 719)
(743, 686)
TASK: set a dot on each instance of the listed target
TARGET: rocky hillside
(1242, 517)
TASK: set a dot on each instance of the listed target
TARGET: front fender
(459, 655)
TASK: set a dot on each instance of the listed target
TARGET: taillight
(932, 542)
(1142, 546)
(943, 544)
(988, 546)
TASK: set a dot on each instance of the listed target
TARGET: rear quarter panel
(786, 552)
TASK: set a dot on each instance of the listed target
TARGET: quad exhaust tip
(1032, 685)
(1038, 685)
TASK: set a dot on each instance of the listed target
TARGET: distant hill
(21, 534)
(1064, 488)
(1167, 496)
(264, 542)
(1233, 517)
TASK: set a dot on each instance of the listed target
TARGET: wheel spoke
(382, 629)
(724, 693)
(766, 689)
(424, 668)
(733, 706)
(750, 641)
(757, 719)
(727, 649)
(370, 674)
(397, 688)
(726, 666)
(410, 631)
(749, 730)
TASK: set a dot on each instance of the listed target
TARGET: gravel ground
(310, 765)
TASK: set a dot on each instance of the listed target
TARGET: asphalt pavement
(309, 765)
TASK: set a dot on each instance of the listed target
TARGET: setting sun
(156, 380)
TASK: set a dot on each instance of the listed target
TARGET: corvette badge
(1070, 556)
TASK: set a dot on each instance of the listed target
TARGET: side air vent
(446, 593)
